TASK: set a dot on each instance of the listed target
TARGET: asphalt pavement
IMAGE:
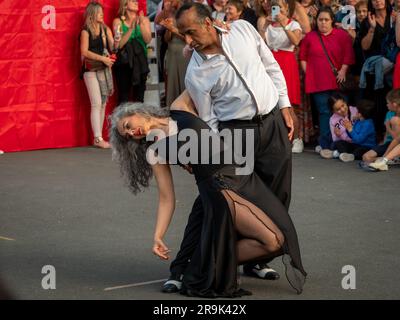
(67, 221)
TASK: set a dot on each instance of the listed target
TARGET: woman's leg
(393, 153)
(260, 237)
(97, 108)
(93, 89)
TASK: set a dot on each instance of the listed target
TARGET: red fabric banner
(43, 102)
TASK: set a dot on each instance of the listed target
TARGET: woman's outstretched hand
(160, 249)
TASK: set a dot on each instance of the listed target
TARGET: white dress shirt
(218, 92)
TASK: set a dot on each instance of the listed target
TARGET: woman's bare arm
(184, 103)
(166, 207)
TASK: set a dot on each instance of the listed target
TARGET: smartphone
(275, 10)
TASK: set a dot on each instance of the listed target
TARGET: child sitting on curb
(393, 103)
(393, 151)
(340, 112)
(362, 134)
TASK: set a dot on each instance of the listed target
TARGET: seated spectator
(341, 112)
(393, 103)
(362, 134)
(393, 152)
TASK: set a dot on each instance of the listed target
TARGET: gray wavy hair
(129, 153)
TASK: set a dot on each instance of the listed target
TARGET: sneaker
(318, 149)
(365, 166)
(380, 165)
(393, 162)
(261, 270)
(326, 154)
(297, 146)
(346, 157)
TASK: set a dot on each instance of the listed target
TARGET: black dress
(212, 270)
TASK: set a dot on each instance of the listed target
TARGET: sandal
(99, 142)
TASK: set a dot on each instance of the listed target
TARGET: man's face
(198, 35)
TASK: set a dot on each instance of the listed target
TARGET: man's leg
(190, 240)
(259, 270)
(273, 164)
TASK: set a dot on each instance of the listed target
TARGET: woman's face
(362, 13)
(100, 16)
(378, 4)
(283, 8)
(135, 126)
(132, 6)
(340, 107)
(266, 4)
(324, 22)
(232, 13)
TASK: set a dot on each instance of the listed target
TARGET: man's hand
(287, 118)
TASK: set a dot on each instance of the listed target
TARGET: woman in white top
(282, 36)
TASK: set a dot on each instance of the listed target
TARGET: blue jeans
(321, 103)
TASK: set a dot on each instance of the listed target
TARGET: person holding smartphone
(282, 36)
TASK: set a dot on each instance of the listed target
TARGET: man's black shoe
(260, 270)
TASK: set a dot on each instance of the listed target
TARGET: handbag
(94, 65)
(350, 83)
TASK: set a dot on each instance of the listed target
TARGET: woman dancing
(238, 224)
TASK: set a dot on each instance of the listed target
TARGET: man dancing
(236, 83)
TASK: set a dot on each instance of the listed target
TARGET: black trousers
(348, 147)
(126, 91)
(273, 164)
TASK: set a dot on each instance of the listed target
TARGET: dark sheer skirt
(242, 220)
(212, 270)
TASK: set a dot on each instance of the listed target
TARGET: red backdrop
(43, 102)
